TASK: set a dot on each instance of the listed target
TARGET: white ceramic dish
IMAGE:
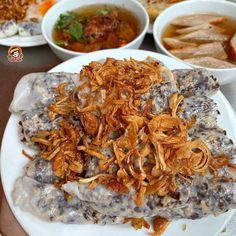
(224, 8)
(24, 41)
(52, 16)
(12, 163)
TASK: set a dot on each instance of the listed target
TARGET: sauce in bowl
(95, 27)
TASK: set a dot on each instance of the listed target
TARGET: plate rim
(34, 41)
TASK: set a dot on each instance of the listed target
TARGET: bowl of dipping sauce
(201, 34)
(73, 28)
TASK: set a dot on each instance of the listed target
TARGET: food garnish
(159, 225)
(138, 223)
(14, 9)
(45, 6)
(17, 9)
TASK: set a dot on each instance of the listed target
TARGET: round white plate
(13, 162)
(23, 41)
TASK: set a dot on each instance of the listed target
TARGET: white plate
(24, 41)
(12, 163)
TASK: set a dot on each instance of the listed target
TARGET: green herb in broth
(69, 23)
(61, 43)
(65, 20)
(95, 27)
(103, 11)
(76, 30)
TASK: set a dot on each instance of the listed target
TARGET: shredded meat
(99, 26)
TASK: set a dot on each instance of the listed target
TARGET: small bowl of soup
(201, 34)
(73, 28)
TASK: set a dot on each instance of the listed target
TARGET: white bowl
(223, 8)
(53, 14)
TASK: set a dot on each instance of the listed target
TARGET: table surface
(40, 59)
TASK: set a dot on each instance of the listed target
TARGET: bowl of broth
(73, 28)
(201, 34)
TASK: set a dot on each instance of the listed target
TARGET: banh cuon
(123, 141)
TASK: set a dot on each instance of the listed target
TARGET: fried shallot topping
(14, 9)
(17, 9)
